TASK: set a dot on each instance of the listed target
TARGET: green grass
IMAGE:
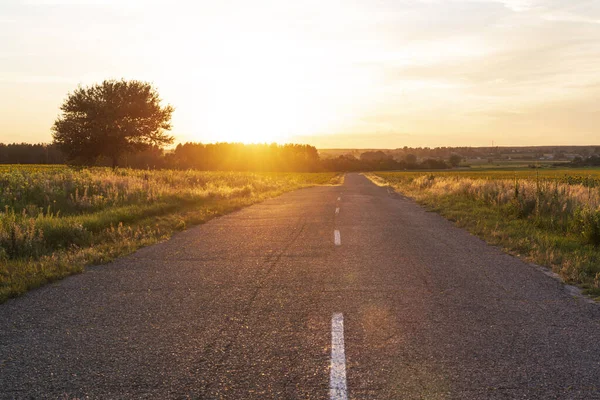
(56, 220)
(551, 218)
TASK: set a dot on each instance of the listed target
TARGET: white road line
(337, 210)
(337, 238)
(338, 389)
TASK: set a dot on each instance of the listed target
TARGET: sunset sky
(367, 74)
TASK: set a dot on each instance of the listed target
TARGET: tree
(455, 160)
(410, 159)
(111, 119)
(374, 156)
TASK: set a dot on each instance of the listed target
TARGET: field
(550, 217)
(56, 220)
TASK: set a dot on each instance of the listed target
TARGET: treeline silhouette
(348, 162)
(245, 157)
(591, 161)
(229, 157)
(26, 153)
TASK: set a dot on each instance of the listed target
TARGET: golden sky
(352, 73)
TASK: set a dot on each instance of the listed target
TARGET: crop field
(54, 220)
(549, 217)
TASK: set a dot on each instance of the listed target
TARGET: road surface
(270, 303)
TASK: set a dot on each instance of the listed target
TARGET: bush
(61, 233)
(19, 236)
(590, 227)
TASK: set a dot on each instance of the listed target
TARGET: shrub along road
(242, 307)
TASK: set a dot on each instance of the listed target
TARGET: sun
(260, 88)
(266, 103)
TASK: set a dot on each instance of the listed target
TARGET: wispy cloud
(32, 79)
(566, 17)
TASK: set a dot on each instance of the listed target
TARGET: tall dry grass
(552, 220)
(69, 191)
(50, 215)
(547, 202)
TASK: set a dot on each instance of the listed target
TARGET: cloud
(566, 17)
(520, 5)
(32, 79)
(513, 5)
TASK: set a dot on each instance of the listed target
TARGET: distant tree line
(380, 161)
(260, 157)
(227, 157)
(532, 153)
(25, 153)
(245, 157)
(591, 161)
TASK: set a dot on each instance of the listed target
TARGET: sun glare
(257, 88)
(269, 102)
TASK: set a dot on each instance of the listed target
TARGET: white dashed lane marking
(337, 238)
(337, 376)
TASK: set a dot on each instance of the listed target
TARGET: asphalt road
(242, 308)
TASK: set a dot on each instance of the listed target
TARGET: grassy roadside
(554, 222)
(57, 221)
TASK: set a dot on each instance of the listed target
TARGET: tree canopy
(455, 160)
(246, 157)
(110, 119)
